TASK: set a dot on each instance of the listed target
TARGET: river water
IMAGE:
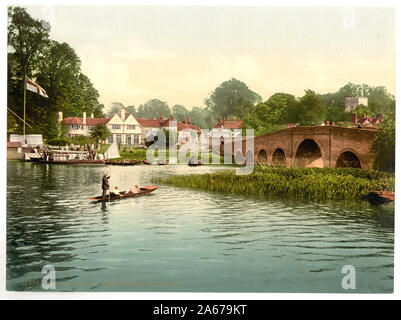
(184, 240)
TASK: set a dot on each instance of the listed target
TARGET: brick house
(187, 132)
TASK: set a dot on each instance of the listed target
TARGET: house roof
(229, 124)
(14, 144)
(164, 123)
(89, 121)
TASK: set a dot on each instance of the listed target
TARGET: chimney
(60, 116)
(161, 117)
(189, 120)
(84, 118)
(183, 120)
(123, 114)
(92, 115)
(354, 118)
(171, 118)
(327, 123)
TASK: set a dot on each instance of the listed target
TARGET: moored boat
(123, 162)
(73, 161)
(195, 163)
(381, 197)
(125, 194)
(162, 162)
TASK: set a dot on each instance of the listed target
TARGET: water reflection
(229, 243)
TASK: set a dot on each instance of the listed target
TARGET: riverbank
(316, 184)
(139, 154)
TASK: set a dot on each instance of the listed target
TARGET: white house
(123, 126)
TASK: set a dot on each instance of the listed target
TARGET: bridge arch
(262, 157)
(348, 158)
(308, 155)
(278, 158)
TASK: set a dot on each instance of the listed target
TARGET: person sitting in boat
(105, 185)
(115, 192)
(135, 189)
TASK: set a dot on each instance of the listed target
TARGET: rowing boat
(381, 197)
(194, 164)
(123, 163)
(125, 194)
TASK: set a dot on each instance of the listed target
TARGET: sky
(181, 54)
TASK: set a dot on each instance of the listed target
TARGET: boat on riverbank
(125, 194)
(381, 197)
(84, 161)
(123, 162)
(195, 163)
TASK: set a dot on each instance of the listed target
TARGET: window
(136, 139)
(130, 127)
(110, 139)
(128, 139)
(90, 128)
(116, 127)
(118, 138)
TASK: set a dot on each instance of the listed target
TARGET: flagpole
(24, 104)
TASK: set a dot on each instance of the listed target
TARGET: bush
(300, 184)
(62, 141)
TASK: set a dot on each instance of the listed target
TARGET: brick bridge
(320, 146)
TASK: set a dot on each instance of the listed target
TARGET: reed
(299, 184)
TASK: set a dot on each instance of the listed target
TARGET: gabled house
(123, 126)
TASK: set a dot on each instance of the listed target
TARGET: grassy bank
(139, 154)
(299, 184)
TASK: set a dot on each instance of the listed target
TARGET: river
(184, 240)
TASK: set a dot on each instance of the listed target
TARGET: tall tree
(311, 109)
(28, 38)
(383, 146)
(114, 107)
(231, 98)
(179, 112)
(54, 66)
(153, 109)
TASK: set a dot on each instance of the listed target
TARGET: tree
(379, 101)
(54, 66)
(27, 41)
(81, 140)
(261, 120)
(201, 117)
(383, 145)
(28, 38)
(131, 109)
(114, 108)
(311, 110)
(153, 109)
(58, 135)
(231, 98)
(180, 112)
(278, 110)
(100, 132)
